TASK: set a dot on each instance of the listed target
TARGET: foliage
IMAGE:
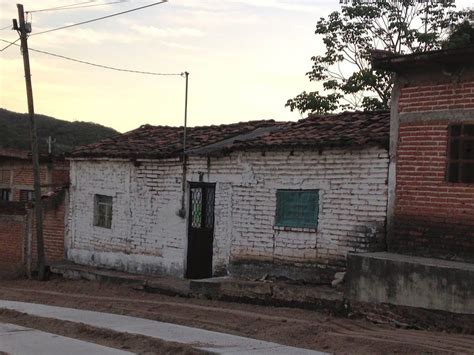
(14, 132)
(353, 33)
(462, 35)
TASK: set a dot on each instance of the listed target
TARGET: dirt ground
(294, 327)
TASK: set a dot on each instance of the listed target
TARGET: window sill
(295, 229)
(102, 227)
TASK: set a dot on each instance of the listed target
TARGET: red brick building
(430, 214)
(16, 174)
(17, 234)
(431, 203)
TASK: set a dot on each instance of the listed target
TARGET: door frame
(191, 185)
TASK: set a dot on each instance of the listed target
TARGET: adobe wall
(432, 217)
(148, 236)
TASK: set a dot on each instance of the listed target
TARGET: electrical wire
(7, 27)
(63, 6)
(79, 7)
(100, 18)
(10, 44)
(96, 65)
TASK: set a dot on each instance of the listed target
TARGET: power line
(10, 44)
(71, 7)
(101, 18)
(6, 27)
(96, 65)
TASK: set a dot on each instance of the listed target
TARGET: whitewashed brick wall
(148, 236)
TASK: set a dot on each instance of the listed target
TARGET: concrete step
(163, 284)
(267, 292)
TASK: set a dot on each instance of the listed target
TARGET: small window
(103, 211)
(4, 176)
(4, 194)
(27, 195)
(460, 162)
(297, 208)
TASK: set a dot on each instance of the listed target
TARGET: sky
(246, 58)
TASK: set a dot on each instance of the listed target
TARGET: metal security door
(200, 230)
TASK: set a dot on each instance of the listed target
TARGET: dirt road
(294, 327)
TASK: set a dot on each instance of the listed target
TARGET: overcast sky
(246, 58)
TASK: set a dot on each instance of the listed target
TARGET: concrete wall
(411, 281)
(148, 236)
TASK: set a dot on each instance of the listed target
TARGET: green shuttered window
(297, 208)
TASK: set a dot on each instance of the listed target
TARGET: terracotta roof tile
(164, 141)
(347, 129)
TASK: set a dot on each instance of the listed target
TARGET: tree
(353, 33)
(461, 35)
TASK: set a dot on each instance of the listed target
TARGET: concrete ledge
(441, 115)
(270, 293)
(411, 281)
(309, 273)
(227, 288)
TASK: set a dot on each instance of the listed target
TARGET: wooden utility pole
(23, 28)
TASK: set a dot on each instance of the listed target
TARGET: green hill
(14, 132)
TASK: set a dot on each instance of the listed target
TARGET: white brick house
(284, 199)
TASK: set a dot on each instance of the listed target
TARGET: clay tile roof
(347, 129)
(164, 141)
(14, 153)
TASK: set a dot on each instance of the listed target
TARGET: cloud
(168, 32)
(84, 35)
(305, 6)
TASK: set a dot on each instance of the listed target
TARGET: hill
(14, 132)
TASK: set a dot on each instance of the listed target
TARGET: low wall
(410, 281)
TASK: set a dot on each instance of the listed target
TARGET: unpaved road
(294, 327)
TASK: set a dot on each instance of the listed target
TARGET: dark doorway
(200, 230)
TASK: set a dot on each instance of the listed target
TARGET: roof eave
(400, 63)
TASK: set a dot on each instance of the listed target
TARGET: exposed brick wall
(53, 232)
(437, 97)
(147, 235)
(15, 219)
(12, 239)
(20, 174)
(432, 217)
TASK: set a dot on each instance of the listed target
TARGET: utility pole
(182, 211)
(23, 28)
